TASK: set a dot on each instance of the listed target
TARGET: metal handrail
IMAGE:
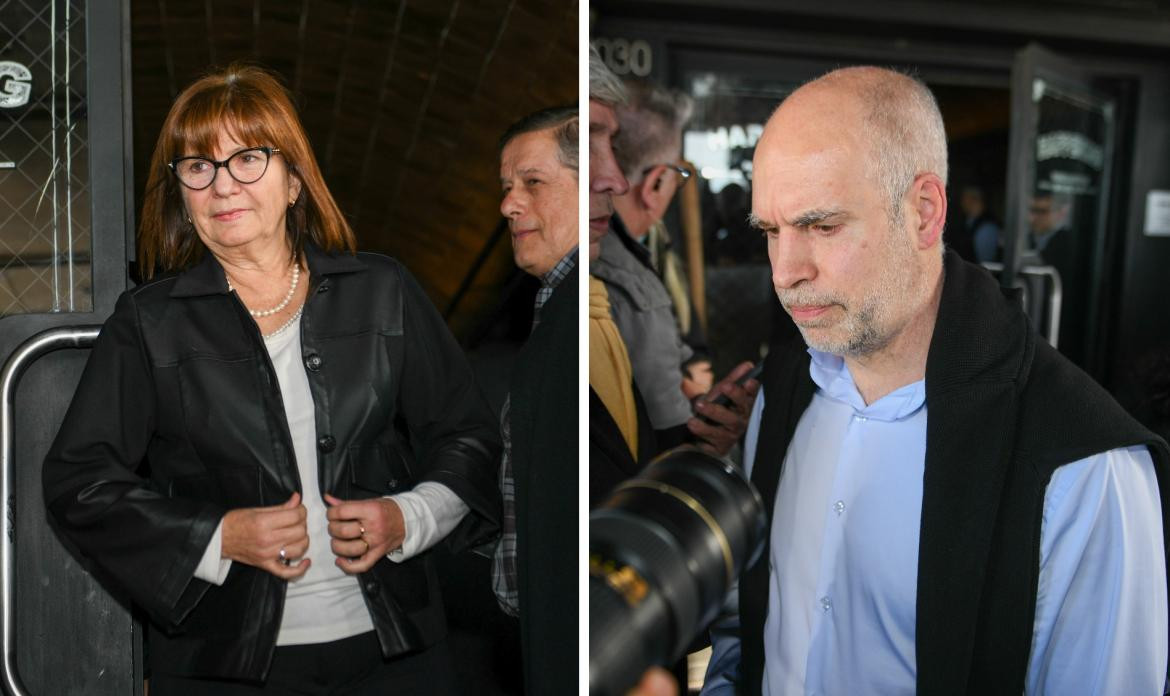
(1055, 298)
(1055, 293)
(22, 357)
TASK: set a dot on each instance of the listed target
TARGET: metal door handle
(1055, 293)
(22, 357)
(1055, 299)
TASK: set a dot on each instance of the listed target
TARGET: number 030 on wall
(625, 57)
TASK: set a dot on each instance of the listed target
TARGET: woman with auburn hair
(238, 455)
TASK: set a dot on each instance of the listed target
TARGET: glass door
(1059, 178)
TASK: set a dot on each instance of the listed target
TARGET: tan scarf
(610, 374)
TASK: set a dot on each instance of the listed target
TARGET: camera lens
(664, 549)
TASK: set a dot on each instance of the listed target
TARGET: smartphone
(725, 400)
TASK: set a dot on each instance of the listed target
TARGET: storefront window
(45, 236)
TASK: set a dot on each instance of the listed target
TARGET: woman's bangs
(198, 130)
(250, 124)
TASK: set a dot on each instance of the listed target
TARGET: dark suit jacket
(543, 422)
(610, 460)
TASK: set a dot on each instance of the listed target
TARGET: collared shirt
(844, 559)
(505, 582)
(549, 282)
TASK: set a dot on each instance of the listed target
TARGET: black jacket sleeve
(145, 542)
(444, 408)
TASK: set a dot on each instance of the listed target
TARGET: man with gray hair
(649, 152)
(641, 306)
(533, 566)
(605, 177)
(954, 508)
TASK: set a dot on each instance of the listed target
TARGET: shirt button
(839, 507)
(860, 418)
(326, 443)
(313, 362)
(826, 604)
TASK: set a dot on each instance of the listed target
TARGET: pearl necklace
(291, 320)
(292, 288)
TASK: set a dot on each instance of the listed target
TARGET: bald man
(954, 508)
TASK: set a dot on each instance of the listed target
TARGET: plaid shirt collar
(549, 282)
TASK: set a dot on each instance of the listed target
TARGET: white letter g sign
(14, 86)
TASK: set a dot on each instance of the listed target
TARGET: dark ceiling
(403, 101)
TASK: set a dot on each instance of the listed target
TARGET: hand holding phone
(725, 400)
(721, 416)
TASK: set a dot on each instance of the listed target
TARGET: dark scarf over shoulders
(1005, 410)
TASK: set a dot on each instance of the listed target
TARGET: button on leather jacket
(178, 419)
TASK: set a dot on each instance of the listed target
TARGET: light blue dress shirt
(844, 559)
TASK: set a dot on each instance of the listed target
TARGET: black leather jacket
(178, 419)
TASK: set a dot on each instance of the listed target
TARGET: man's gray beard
(869, 328)
(861, 335)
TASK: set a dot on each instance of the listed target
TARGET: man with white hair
(953, 507)
(605, 176)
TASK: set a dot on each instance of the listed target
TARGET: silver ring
(284, 559)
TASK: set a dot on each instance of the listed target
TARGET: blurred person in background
(649, 150)
(1058, 242)
(979, 226)
(1049, 217)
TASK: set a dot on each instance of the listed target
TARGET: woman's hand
(364, 531)
(271, 538)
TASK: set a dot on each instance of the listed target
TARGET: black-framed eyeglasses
(683, 172)
(245, 166)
